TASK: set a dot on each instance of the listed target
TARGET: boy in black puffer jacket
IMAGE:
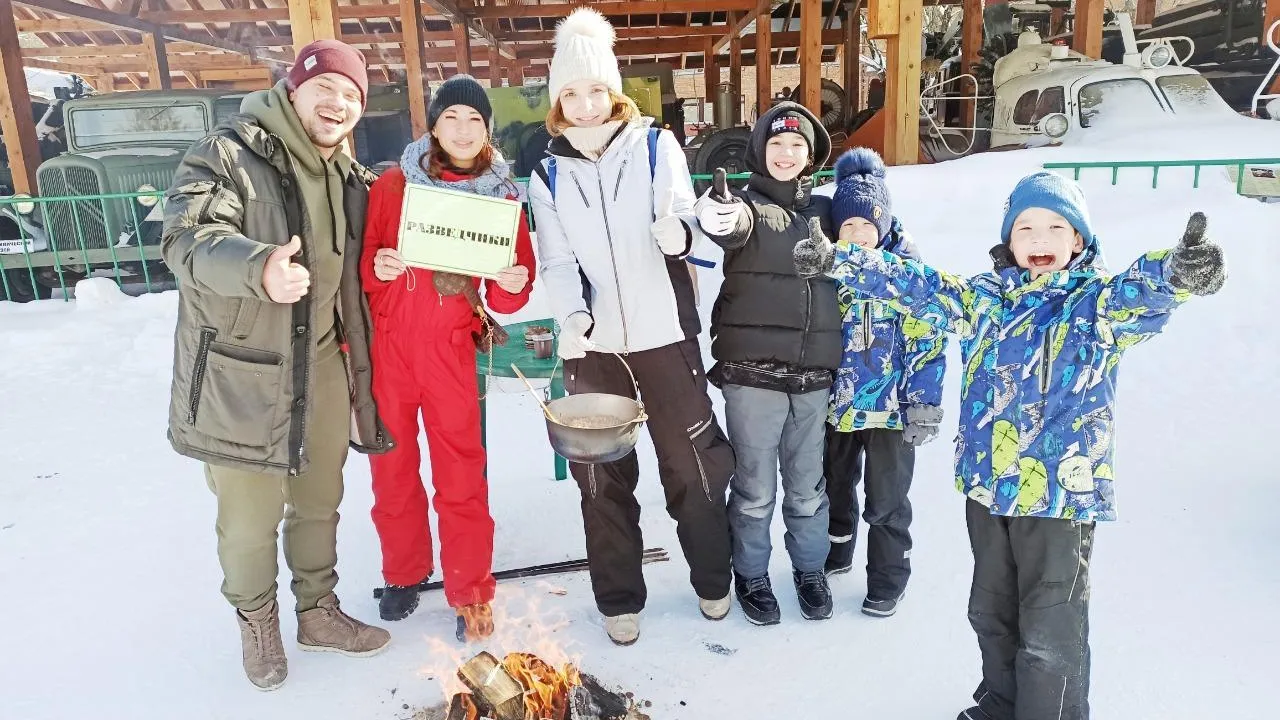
(776, 338)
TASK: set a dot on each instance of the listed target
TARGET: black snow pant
(1029, 605)
(887, 463)
(695, 462)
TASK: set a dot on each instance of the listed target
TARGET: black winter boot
(814, 594)
(755, 595)
(839, 558)
(881, 608)
(397, 602)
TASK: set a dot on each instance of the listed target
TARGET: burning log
(500, 696)
(524, 687)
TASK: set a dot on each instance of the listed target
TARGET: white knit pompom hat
(584, 51)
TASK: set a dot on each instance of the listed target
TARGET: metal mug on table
(543, 344)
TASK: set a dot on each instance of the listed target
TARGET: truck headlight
(1055, 125)
(147, 200)
(1157, 56)
(23, 208)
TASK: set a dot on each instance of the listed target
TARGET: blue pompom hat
(1051, 192)
(861, 191)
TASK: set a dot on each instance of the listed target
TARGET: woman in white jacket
(614, 224)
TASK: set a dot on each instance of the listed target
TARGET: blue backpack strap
(653, 151)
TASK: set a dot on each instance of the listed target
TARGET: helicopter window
(1192, 95)
(1025, 109)
(1052, 100)
(1131, 99)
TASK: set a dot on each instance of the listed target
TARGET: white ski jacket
(595, 248)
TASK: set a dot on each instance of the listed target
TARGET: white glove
(715, 217)
(671, 235)
(573, 336)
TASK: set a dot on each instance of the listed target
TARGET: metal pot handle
(636, 385)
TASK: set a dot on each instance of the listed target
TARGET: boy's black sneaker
(839, 558)
(755, 595)
(814, 594)
(974, 713)
(398, 602)
(881, 608)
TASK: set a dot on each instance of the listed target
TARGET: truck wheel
(725, 149)
(21, 289)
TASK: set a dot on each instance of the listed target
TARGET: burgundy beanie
(331, 56)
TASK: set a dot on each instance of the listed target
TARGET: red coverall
(424, 359)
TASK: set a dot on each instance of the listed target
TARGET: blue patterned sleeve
(924, 360)
(944, 301)
(1135, 305)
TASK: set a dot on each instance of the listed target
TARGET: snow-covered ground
(109, 580)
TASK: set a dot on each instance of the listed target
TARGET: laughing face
(859, 231)
(329, 107)
(1042, 241)
(786, 155)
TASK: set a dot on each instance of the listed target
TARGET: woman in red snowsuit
(424, 360)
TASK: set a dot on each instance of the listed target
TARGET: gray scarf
(495, 182)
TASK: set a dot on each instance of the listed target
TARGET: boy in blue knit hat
(887, 397)
(1041, 338)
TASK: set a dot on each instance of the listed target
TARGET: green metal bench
(515, 352)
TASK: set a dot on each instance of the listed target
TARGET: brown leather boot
(327, 629)
(477, 619)
(260, 643)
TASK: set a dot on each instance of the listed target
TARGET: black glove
(1002, 257)
(816, 255)
(1197, 265)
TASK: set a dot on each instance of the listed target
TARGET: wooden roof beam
(76, 10)
(615, 7)
(451, 10)
(736, 28)
(623, 33)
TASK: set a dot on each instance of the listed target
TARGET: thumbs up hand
(284, 280)
(816, 255)
(1197, 264)
(718, 210)
(668, 229)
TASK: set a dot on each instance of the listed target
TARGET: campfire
(524, 687)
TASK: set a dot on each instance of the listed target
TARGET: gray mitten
(1197, 265)
(815, 256)
(922, 424)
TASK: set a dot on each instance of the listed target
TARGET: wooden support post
(735, 68)
(811, 55)
(462, 45)
(104, 83)
(495, 67)
(1088, 35)
(764, 64)
(311, 20)
(16, 124)
(516, 73)
(711, 75)
(900, 23)
(1057, 21)
(157, 62)
(1146, 12)
(970, 54)
(411, 28)
(853, 54)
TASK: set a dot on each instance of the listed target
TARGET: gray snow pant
(1029, 605)
(765, 427)
(886, 462)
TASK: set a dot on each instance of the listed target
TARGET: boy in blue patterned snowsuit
(887, 396)
(1041, 337)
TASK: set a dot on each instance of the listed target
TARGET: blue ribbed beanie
(1051, 192)
(861, 191)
